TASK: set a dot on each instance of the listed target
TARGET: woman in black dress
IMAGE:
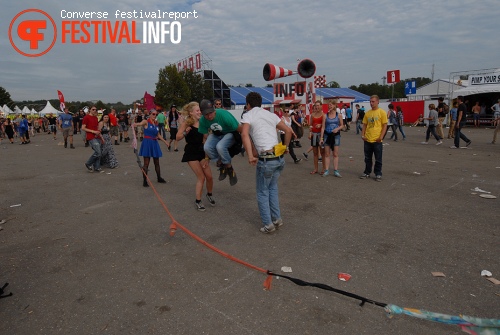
(194, 154)
(8, 129)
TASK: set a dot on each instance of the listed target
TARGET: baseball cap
(206, 107)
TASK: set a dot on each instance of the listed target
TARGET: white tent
(26, 110)
(17, 110)
(48, 109)
(477, 89)
(7, 110)
(33, 111)
(481, 83)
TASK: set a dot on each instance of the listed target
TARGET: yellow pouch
(279, 149)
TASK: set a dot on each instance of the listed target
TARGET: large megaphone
(306, 69)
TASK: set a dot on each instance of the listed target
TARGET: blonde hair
(186, 109)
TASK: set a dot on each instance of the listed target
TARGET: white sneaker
(453, 147)
(424, 142)
(440, 142)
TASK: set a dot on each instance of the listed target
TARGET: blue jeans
(459, 135)
(95, 159)
(400, 127)
(217, 147)
(161, 128)
(373, 149)
(359, 126)
(268, 173)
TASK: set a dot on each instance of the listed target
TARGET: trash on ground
(477, 189)
(487, 196)
(433, 161)
(493, 280)
(15, 205)
(438, 274)
(3, 221)
(343, 276)
(418, 173)
(286, 269)
(486, 273)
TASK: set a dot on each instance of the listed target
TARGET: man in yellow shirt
(374, 128)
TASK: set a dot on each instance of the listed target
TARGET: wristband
(184, 133)
(206, 158)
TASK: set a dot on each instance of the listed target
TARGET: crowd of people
(213, 134)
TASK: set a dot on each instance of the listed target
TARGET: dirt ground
(91, 253)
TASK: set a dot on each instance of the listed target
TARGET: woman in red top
(315, 134)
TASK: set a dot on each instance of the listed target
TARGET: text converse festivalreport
(141, 14)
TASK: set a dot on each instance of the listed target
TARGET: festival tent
(477, 89)
(17, 110)
(7, 110)
(48, 109)
(26, 110)
(33, 111)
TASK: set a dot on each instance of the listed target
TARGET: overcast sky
(351, 42)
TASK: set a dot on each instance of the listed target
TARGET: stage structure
(201, 64)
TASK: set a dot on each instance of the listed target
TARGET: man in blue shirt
(453, 120)
(65, 122)
(348, 115)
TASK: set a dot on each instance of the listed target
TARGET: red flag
(61, 100)
(149, 101)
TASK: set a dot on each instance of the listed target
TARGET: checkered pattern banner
(319, 81)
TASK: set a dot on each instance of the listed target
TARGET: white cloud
(351, 42)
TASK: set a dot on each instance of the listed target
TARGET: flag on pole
(149, 101)
(61, 100)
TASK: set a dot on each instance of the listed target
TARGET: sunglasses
(93, 109)
(153, 114)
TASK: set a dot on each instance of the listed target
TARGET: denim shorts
(332, 140)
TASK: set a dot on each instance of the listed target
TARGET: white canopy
(7, 110)
(26, 110)
(477, 89)
(48, 109)
(17, 110)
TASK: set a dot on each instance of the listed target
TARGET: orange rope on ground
(175, 224)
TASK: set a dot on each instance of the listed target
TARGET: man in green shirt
(222, 127)
(161, 123)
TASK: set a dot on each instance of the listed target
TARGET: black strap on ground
(329, 288)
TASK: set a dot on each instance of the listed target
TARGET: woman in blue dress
(150, 147)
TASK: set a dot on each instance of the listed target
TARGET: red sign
(392, 76)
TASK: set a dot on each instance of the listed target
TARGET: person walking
(453, 121)
(461, 120)
(67, 127)
(289, 121)
(90, 126)
(399, 123)
(431, 128)
(173, 124)
(260, 141)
